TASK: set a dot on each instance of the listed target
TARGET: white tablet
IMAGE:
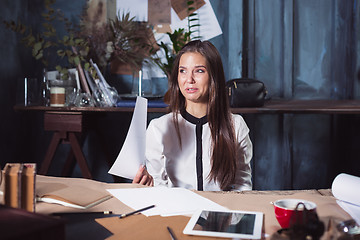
(227, 224)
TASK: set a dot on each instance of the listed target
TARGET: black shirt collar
(194, 120)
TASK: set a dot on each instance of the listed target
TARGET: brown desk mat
(150, 228)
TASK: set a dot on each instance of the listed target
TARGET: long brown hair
(224, 153)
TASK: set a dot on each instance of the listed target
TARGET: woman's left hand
(143, 177)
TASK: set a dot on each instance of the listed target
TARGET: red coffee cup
(285, 208)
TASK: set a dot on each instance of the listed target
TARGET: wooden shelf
(270, 107)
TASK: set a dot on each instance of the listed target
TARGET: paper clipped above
(132, 153)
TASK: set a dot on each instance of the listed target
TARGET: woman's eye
(182, 71)
(200, 70)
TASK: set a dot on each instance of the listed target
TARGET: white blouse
(189, 166)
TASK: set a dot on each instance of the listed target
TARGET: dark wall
(17, 133)
(300, 49)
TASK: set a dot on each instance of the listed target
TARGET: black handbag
(246, 92)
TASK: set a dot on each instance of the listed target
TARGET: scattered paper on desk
(345, 188)
(132, 153)
(168, 201)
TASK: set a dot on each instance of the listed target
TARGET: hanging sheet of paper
(137, 9)
(345, 188)
(181, 7)
(132, 153)
(159, 15)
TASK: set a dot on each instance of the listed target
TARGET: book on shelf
(80, 70)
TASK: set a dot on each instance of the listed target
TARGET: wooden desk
(327, 209)
(67, 122)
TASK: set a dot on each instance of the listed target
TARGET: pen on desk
(172, 234)
(137, 211)
(80, 213)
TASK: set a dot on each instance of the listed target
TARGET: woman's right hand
(143, 177)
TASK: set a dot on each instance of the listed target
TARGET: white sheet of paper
(168, 201)
(209, 25)
(345, 188)
(137, 9)
(132, 153)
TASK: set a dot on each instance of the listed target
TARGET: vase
(119, 76)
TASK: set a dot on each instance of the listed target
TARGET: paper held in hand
(132, 154)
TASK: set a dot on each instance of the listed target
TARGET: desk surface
(270, 107)
(327, 207)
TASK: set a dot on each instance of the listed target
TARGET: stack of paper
(346, 188)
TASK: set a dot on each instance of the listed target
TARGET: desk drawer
(57, 121)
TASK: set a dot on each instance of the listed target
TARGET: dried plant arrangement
(96, 32)
(130, 40)
(121, 39)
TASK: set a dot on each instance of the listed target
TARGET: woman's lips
(191, 90)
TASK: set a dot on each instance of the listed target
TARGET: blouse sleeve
(155, 160)
(245, 148)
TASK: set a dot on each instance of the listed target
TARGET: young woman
(199, 145)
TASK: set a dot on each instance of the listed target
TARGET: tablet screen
(234, 224)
